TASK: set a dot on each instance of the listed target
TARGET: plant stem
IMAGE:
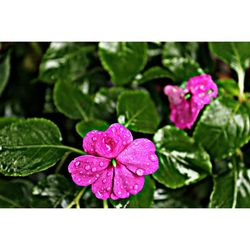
(77, 199)
(60, 164)
(105, 204)
(241, 78)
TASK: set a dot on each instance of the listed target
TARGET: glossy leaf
(64, 61)
(4, 72)
(123, 60)
(136, 111)
(15, 193)
(182, 161)
(151, 74)
(4, 121)
(56, 188)
(145, 198)
(223, 127)
(29, 146)
(180, 60)
(82, 127)
(235, 54)
(70, 101)
(232, 189)
(105, 100)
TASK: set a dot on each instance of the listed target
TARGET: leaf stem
(105, 204)
(241, 78)
(77, 199)
(60, 164)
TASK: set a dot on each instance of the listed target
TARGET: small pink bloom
(115, 165)
(184, 111)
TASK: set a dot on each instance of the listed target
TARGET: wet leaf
(83, 127)
(182, 161)
(70, 101)
(64, 61)
(123, 60)
(137, 111)
(29, 146)
(223, 127)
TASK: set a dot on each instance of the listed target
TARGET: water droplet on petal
(153, 157)
(97, 175)
(113, 130)
(87, 167)
(104, 180)
(135, 186)
(77, 163)
(93, 169)
(139, 172)
(108, 188)
(99, 193)
(119, 192)
(101, 164)
(124, 143)
(94, 138)
(136, 143)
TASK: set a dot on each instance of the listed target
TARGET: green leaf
(182, 68)
(4, 72)
(182, 161)
(180, 60)
(70, 101)
(145, 198)
(64, 61)
(123, 60)
(227, 87)
(232, 189)
(15, 193)
(56, 188)
(83, 127)
(105, 100)
(4, 121)
(137, 111)
(223, 127)
(235, 54)
(29, 147)
(151, 74)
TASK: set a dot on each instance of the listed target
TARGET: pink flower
(184, 111)
(115, 164)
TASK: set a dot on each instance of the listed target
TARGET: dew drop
(124, 143)
(101, 164)
(87, 167)
(97, 175)
(93, 169)
(119, 192)
(136, 143)
(94, 138)
(139, 171)
(104, 180)
(135, 186)
(99, 193)
(153, 157)
(113, 130)
(78, 163)
(108, 188)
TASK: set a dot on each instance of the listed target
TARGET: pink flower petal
(203, 88)
(107, 144)
(87, 169)
(89, 141)
(175, 94)
(125, 183)
(139, 157)
(103, 186)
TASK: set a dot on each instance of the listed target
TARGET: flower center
(113, 161)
